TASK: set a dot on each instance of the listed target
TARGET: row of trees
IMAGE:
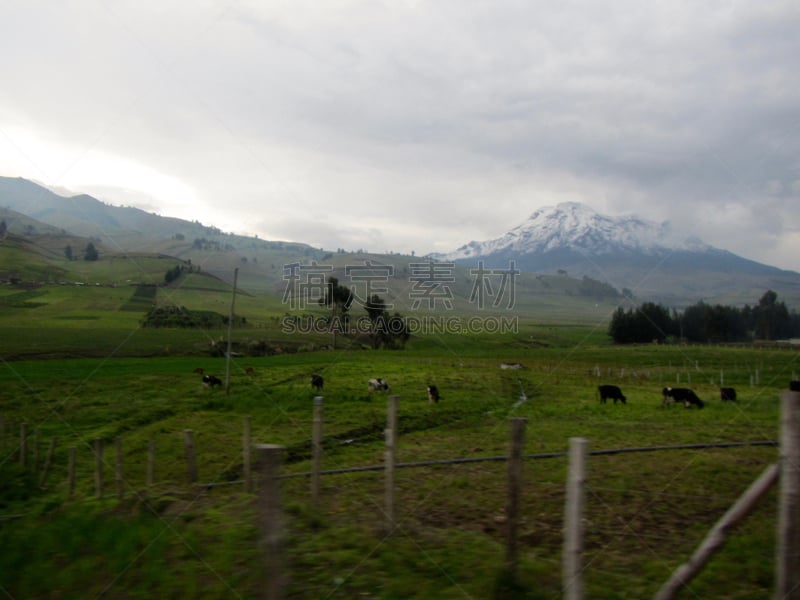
(705, 323)
(90, 253)
(387, 331)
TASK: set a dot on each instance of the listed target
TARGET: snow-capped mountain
(651, 259)
(572, 225)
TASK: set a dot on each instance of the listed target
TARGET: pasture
(646, 512)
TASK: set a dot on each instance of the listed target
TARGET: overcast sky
(410, 124)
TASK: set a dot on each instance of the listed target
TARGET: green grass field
(646, 512)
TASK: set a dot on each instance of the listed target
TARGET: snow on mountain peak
(576, 226)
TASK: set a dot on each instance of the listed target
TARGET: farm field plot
(645, 514)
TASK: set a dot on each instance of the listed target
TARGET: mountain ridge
(628, 253)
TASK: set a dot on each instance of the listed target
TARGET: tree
(173, 274)
(771, 319)
(91, 252)
(68, 252)
(388, 331)
(3, 228)
(375, 307)
(338, 298)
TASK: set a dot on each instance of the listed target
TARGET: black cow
(727, 393)
(378, 385)
(794, 385)
(610, 391)
(211, 381)
(317, 382)
(685, 395)
(433, 393)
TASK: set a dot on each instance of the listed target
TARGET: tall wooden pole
(230, 328)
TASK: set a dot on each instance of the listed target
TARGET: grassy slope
(645, 514)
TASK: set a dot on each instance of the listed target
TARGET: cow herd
(669, 395)
(375, 384)
(677, 395)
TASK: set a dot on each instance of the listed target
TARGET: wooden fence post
(514, 490)
(23, 444)
(37, 434)
(316, 451)
(191, 459)
(151, 462)
(98, 468)
(71, 471)
(573, 520)
(48, 462)
(118, 469)
(246, 454)
(718, 534)
(390, 460)
(788, 560)
(269, 458)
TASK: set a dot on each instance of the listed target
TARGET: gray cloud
(415, 125)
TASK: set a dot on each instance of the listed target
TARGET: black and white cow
(685, 395)
(610, 392)
(378, 385)
(727, 393)
(211, 381)
(317, 382)
(433, 393)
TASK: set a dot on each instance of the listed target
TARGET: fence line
(536, 456)
(788, 572)
(190, 451)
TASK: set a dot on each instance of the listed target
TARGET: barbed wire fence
(267, 479)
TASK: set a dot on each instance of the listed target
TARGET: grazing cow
(211, 381)
(317, 382)
(433, 393)
(727, 393)
(199, 370)
(685, 395)
(378, 385)
(794, 385)
(250, 371)
(610, 391)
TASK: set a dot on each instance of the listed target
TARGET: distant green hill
(139, 247)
